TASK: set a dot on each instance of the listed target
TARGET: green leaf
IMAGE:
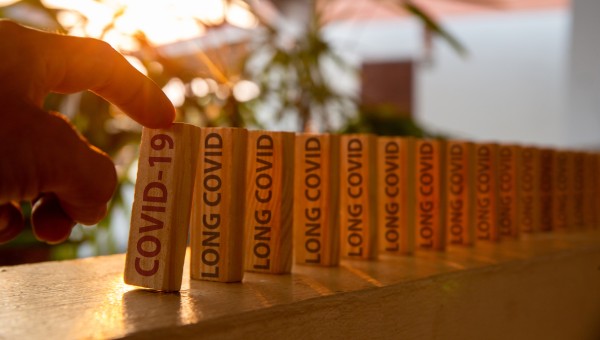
(435, 27)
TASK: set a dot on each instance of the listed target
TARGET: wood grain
(161, 207)
(597, 190)
(578, 199)
(483, 292)
(545, 178)
(486, 191)
(430, 182)
(508, 185)
(590, 213)
(560, 188)
(460, 199)
(395, 195)
(269, 199)
(317, 188)
(529, 191)
(217, 237)
(358, 198)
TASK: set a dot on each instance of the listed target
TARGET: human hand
(42, 157)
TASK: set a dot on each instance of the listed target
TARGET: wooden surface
(544, 286)
(160, 214)
(217, 236)
(316, 208)
(269, 202)
(358, 199)
(460, 197)
(430, 181)
(508, 215)
(396, 211)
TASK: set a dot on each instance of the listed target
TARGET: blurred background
(522, 71)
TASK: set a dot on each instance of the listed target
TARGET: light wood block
(508, 184)
(578, 199)
(589, 199)
(217, 236)
(395, 196)
(486, 191)
(545, 178)
(161, 207)
(316, 209)
(269, 202)
(358, 200)
(560, 188)
(460, 203)
(597, 190)
(430, 217)
(529, 191)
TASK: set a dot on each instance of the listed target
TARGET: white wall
(583, 123)
(512, 87)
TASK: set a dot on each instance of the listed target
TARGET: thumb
(82, 177)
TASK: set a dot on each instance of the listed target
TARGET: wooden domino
(316, 188)
(430, 210)
(486, 191)
(395, 203)
(161, 207)
(507, 190)
(269, 201)
(460, 198)
(545, 185)
(217, 235)
(578, 199)
(529, 201)
(560, 189)
(589, 200)
(358, 211)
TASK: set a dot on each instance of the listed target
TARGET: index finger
(75, 64)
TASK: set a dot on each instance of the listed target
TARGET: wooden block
(560, 188)
(460, 203)
(588, 192)
(508, 214)
(358, 200)
(395, 196)
(578, 188)
(161, 207)
(269, 202)
(486, 191)
(597, 190)
(217, 236)
(430, 218)
(316, 210)
(529, 198)
(545, 178)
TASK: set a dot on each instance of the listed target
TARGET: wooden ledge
(542, 286)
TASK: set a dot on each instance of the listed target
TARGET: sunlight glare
(175, 91)
(7, 2)
(135, 62)
(245, 90)
(159, 28)
(68, 18)
(210, 12)
(200, 87)
(238, 14)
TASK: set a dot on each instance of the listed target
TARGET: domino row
(254, 200)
